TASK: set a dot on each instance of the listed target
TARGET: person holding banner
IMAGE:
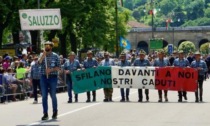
(162, 62)
(141, 61)
(89, 63)
(50, 65)
(201, 66)
(181, 62)
(123, 62)
(107, 62)
(70, 66)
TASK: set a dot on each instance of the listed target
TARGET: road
(187, 113)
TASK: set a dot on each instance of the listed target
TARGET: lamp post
(38, 33)
(152, 11)
(116, 29)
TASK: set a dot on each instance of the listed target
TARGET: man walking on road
(201, 66)
(141, 61)
(107, 62)
(50, 64)
(181, 62)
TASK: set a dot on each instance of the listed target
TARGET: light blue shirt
(144, 62)
(181, 62)
(161, 63)
(201, 64)
(107, 62)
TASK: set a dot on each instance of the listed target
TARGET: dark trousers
(160, 93)
(141, 94)
(182, 93)
(69, 89)
(200, 88)
(49, 85)
(108, 93)
(36, 85)
(124, 92)
(93, 93)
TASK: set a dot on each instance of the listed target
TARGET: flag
(125, 43)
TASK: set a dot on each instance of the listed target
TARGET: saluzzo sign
(40, 19)
(168, 78)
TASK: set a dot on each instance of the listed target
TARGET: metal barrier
(15, 87)
(8, 81)
(62, 80)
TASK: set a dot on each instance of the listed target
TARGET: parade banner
(168, 78)
(91, 79)
(177, 79)
(133, 77)
(40, 19)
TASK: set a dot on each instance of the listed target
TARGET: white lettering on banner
(40, 19)
(133, 77)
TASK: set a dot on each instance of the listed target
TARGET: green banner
(156, 44)
(91, 79)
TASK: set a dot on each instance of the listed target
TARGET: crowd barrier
(20, 86)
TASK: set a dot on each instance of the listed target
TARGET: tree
(7, 9)
(204, 48)
(187, 47)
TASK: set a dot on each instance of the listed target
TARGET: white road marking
(73, 111)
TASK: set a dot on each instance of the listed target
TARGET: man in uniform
(89, 63)
(201, 66)
(123, 62)
(35, 78)
(161, 62)
(70, 66)
(141, 61)
(107, 62)
(50, 64)
(181, 62)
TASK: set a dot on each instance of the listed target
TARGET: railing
(195, 28)
(24, 86)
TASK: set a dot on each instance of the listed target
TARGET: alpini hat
(89, 52)
(197, 53)
(122, 54)
(181, 51)
(142, 52)
(49, 43)
(71, 53)
(161, 51)
(106, 53)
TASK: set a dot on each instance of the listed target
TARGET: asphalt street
(133, 113)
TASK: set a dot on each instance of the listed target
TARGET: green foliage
(198, 22)
(207, 13)
(205, 48)
(86, 23)
(187, 47)
(7, 38)
(182, 12)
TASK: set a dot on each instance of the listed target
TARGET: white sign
(40, 19)
(133, 77)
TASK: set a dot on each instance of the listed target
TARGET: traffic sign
(170, 49)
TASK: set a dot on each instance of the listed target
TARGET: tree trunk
(62, 38)
(15, 36)
(34, 41)
(73, 42)
(52, 35)
(1, 36)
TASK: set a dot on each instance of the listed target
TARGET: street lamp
(152, 11)
(38, 33)
(116, 29)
